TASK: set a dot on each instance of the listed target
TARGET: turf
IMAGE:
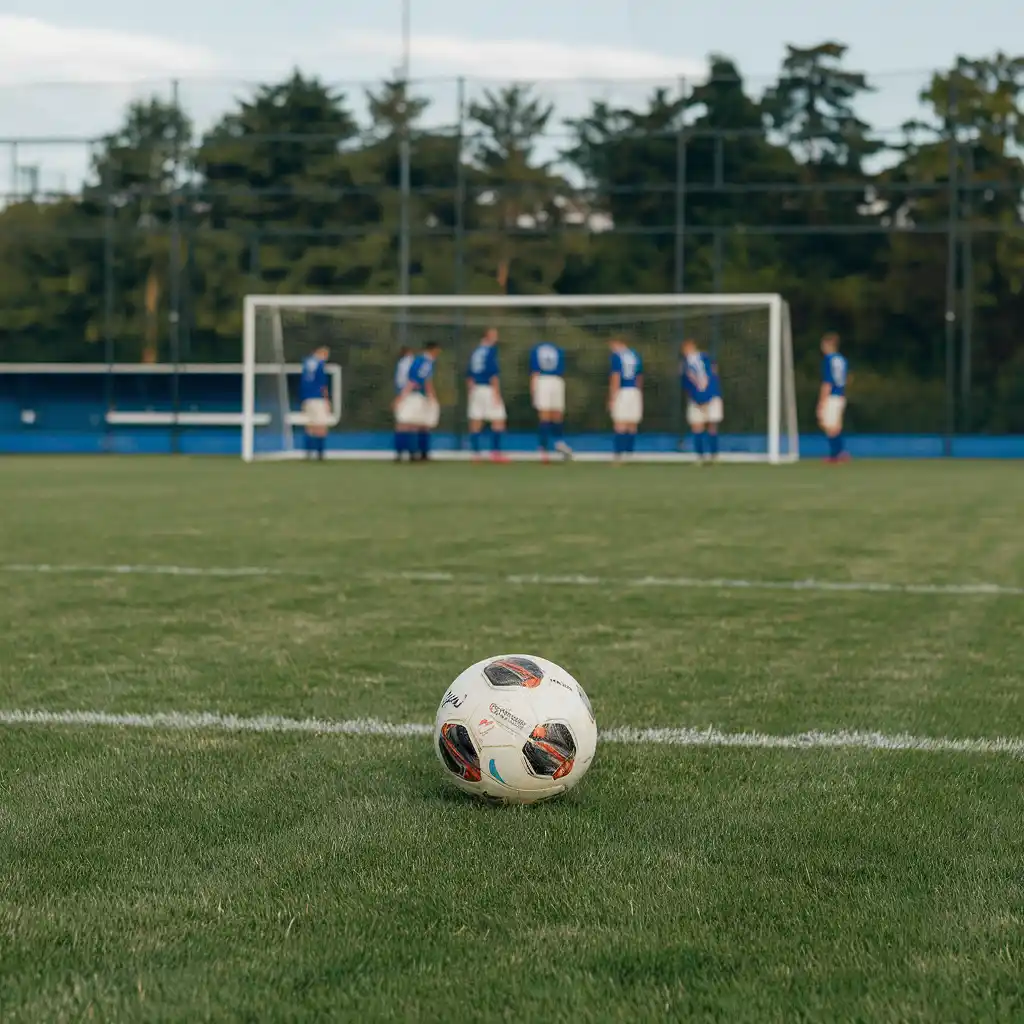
(195, 875)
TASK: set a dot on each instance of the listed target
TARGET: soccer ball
(515, 729)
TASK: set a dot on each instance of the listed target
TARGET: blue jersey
(314, 379)
(421, 370)
(402, 372)
(700, 379)
(483, 364)
(833, 373)
(547, 359)
(628, 365)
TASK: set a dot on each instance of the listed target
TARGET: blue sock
(833, 447)
(698, 444)
(496, 440)
(620, 444)
(631, 443)
(556, 431)
(400, 442)
(840, 444)
(713, 443)
(321, 446)
(424, 443)
(474, 440)
(544, 436)
(307, 441)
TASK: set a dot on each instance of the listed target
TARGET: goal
(749, 336)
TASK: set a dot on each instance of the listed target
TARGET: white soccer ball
(515, 728)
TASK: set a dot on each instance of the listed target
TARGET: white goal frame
(780, 343)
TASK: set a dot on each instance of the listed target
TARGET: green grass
(149, 875)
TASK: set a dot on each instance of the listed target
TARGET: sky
(68, 68)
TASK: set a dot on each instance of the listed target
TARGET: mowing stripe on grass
(191, 721)
(568, 580)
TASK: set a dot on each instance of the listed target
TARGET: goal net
(748, 335)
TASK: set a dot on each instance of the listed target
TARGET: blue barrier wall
(68, 413)
(227, 441)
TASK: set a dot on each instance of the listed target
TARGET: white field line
(189, 721)
(568, 580)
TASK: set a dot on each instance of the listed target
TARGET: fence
(138, 243)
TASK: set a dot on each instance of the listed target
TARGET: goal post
(749, 335)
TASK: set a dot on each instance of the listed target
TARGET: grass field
(190, 871)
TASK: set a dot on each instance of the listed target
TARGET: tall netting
(366, 341)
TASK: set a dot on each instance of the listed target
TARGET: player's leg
(543, 434)
(316, 428)
(498, 420)
(715, 415)
(475, 413)
(557, 416)
(695, 421)
(403, 444)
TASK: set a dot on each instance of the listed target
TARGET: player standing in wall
(315, 396)
(547, 391)
(485, 405)
(403, 433)
(417, 409)
(625, 396)
(704, 409)
(832, 397)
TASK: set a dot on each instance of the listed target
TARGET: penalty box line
(192, 721)
(550, 580)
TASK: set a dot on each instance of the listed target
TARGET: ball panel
(514, 671)
(458, 753)
(550, 750)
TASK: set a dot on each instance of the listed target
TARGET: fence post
(460, 244)
(174, 283)
(951, 270)
(967, 299)
(679, 267)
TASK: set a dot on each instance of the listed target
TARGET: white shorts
(628, 406)
(317, 412)
(549, 394)
(832, 413)
(484, 406)
(708, 415)
(417, 411)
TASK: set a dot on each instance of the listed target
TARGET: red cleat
(499, 457)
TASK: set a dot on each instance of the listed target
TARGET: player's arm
(639, 382)
(614, 383)
(496, 386)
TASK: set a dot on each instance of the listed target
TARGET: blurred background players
(485, 404)
(547, 392)
(315, 399)
(832, 397)
(625, 396)
(704, 408)
(417, 410)
(403, 432)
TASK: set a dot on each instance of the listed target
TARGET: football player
(417, 408)
(832, 397)
(704, 408)
(625, 396)
(403, 436)
(547, 392)
(314, 396)
(485, 404)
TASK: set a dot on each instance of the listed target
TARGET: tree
(520, 203)
(812, 106)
